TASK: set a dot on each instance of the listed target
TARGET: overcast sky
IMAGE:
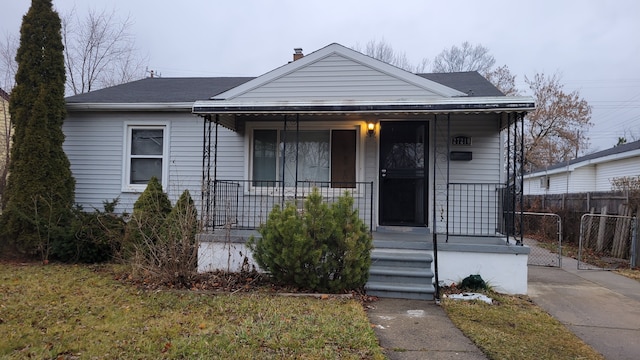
(593, 44)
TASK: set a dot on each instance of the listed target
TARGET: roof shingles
(178, 90)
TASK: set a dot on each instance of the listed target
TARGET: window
(145, 156)
(322, 155)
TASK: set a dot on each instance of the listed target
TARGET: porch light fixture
(371, 127)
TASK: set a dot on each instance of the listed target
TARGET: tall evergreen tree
(40, 188)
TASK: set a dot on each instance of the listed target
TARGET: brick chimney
(297, 55)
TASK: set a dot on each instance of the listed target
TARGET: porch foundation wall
(504, 272)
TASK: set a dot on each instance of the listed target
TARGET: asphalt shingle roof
(611, 151)
(175, 90)
(470, 83)
(161, 90)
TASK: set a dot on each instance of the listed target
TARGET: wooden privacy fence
(578, 202)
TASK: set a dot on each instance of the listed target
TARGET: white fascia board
(183, 106)
(458, 104)
(347, 53)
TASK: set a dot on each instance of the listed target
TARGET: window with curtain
(322, 155)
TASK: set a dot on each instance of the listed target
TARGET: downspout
(435, 209)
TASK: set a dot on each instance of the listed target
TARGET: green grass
(514, 328)
(64, 311)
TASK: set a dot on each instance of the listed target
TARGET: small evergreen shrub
(97, 236)
(323, 248)
(149, 214)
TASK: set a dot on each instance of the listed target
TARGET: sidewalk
(600, 307)
(415, 329)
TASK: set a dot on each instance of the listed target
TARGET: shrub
(97, 236)
(323, 248)
(149, 214)
(163, 238)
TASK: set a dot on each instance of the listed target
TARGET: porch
(478, 240)
(402, 260)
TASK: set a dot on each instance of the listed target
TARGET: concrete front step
(401, 258)
(401, 273)
(404, 291)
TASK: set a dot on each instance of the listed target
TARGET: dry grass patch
(630, 273)
(67, 312)
(514, 328)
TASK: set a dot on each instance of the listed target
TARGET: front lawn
(68, 312)
(515, 328)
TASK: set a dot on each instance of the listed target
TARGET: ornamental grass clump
(322, 248)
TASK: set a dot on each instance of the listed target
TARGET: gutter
(177, 107)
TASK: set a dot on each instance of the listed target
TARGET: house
(422, 155)
(590, 173)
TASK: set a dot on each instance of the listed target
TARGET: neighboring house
(589, 173)
(422, 155)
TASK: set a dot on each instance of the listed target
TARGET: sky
(594, 45)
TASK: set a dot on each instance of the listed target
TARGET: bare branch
(100, 51)
(383, 51)
(556, 130)
(464, 58)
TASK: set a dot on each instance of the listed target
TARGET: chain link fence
(607, 242)
(543, 234)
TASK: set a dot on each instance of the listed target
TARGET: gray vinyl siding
(485, 148)
(473, 206)
(231, 155)
(339, 78)
(95, 147)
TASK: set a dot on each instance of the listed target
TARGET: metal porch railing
(245, 204)
(476, 209)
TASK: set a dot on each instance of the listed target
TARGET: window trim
(304, 126)
(129, 126)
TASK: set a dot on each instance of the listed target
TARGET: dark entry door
(403, 179)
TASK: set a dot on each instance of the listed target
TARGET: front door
(403, 175)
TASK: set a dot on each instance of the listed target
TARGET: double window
(145, 157)
(324, 156)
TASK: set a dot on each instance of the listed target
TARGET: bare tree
(502, 78)
(556, 130)
(99, 51)
(464, 58)
(8, 64)
(383, 51)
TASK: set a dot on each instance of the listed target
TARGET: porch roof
(494, 104)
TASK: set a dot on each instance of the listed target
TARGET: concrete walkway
(600, 307)
(415, 329)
